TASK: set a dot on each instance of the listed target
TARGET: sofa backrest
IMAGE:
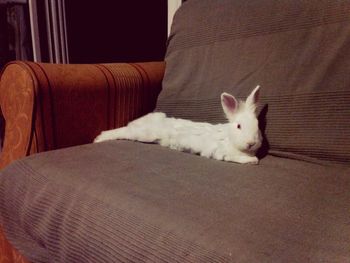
(298, 51)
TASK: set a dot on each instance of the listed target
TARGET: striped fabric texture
(122, 201)
(52, 106)
(297, 51)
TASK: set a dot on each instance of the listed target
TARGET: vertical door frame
(173, 5)
(55, 17)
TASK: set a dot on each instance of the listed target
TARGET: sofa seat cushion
(124, 201)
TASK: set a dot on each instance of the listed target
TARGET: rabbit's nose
(250, 145)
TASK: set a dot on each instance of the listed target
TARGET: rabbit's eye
(238, 126)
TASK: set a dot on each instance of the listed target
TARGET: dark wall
(116, 31)
(4, 38)
(15, 38)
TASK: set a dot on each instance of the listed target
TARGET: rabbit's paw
(104, 136)
(219, 155)
(242, 159)
(206, 155)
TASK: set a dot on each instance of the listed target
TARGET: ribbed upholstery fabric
(8, 254)
(122, 201)
(50, 106)
(299, 53)
(129, 202)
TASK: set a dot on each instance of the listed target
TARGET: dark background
(116, 31)
(97, 31)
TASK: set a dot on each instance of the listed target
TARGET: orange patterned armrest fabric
(51, 106)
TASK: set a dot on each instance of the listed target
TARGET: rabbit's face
(244, 133)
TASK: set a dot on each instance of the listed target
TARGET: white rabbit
(235, 141)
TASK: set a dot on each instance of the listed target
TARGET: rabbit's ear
(253, 98)
(229, 104)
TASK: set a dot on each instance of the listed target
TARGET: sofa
(66, 199)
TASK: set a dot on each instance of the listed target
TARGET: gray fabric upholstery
(298, 51)
(124, 201)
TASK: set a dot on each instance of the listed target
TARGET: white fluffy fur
(235, 141)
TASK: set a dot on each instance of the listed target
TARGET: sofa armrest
(51, 106)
